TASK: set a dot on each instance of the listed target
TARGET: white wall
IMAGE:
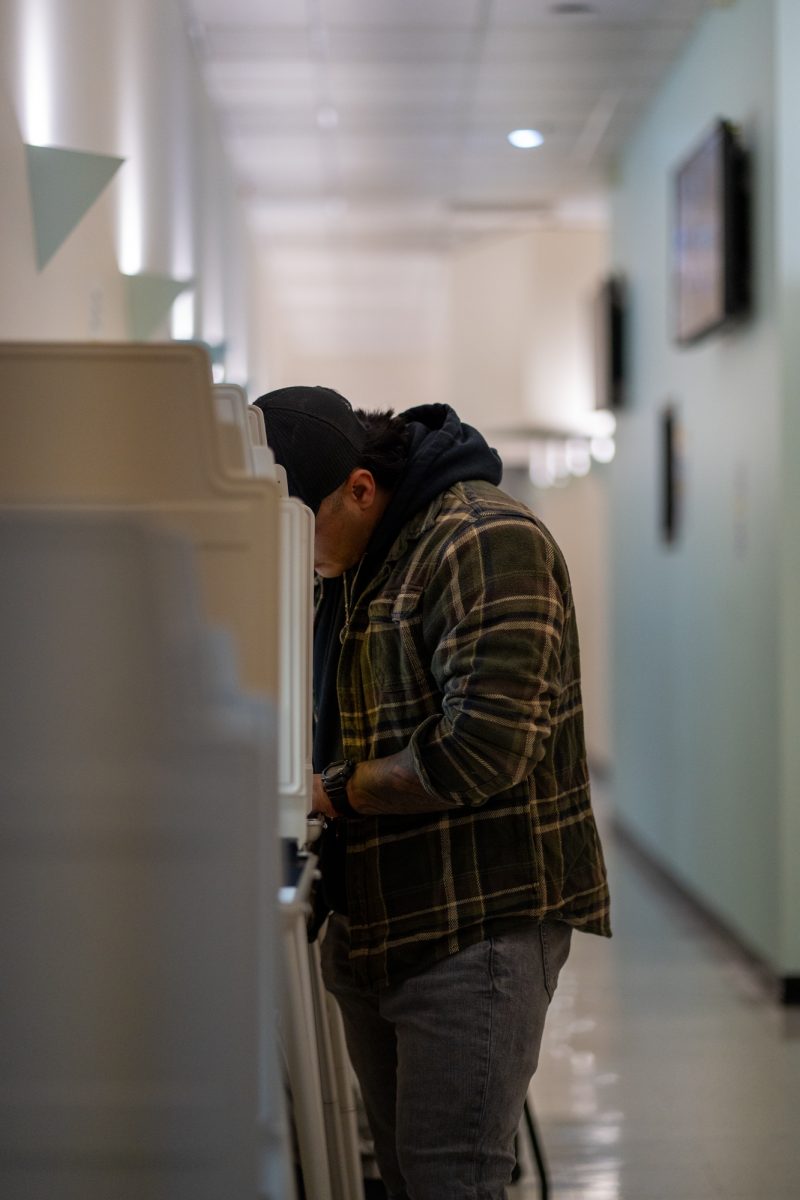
(521, 327)
(578, 517)
(699, 651)
(371, 325)
(520, 356)
(489, 311)
(116, 78)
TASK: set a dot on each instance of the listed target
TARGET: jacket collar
(415, 528)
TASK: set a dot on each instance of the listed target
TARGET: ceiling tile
(403, 14)
(251, 12)
(419, 96)
(400, 45)
(535, 12)
(250, 43)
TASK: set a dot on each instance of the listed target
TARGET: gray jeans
(444, 1059)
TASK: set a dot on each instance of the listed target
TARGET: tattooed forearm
(391, 785)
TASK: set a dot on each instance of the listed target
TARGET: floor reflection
(668, 1071)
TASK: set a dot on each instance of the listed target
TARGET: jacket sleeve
(494, 615)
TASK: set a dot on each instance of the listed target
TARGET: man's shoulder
(489, 511)
(477, 498)
(477, 513)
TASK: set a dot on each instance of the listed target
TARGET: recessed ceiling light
(525, 139)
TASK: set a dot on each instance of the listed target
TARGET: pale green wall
(699, 630)
(788, 257)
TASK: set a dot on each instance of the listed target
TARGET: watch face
(335, 774)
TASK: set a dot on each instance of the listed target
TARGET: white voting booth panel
(132, 897)
(230, 403)
(295, 770)
(105, 429)
(135, 425)
(263, 458)
(317, 1062)
(258, 430)
(247, 452)
(133, 428)
(296, 631)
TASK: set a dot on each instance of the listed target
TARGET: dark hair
(385, 451)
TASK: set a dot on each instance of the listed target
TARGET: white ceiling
(385, 121)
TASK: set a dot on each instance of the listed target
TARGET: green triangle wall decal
(216, 350)
(64, 185)
(150, 298)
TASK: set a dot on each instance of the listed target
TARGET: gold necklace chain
(348, 596)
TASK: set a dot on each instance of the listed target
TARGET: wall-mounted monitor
(711, 235)
(608, 313)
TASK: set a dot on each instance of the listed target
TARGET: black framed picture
(671, 474)
(711, 264)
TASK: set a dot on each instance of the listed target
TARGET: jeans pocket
(556, 937)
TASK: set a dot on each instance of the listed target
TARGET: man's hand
(320, 802)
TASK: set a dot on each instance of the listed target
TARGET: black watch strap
(334, 781)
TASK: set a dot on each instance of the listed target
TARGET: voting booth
(145, 729)
(106, 425)
(156, 742)
(317, 1062)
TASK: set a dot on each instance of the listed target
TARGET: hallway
(666, 1072)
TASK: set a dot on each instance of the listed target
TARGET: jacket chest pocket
(394, 648)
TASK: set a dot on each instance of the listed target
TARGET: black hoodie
(442, 451)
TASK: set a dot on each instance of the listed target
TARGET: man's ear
(362, 487)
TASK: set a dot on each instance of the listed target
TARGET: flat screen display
(710, 245)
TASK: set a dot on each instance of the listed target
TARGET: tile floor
(666, 1072)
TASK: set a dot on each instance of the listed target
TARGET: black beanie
(315, 435)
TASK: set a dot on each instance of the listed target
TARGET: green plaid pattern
(464, 645)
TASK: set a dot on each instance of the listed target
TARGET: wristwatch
(334, 780)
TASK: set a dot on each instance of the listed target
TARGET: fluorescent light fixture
(601, 423)
(525, 139)
(578, 456)
(37, 73)
(182, 317)
(130, 236)
(556, 458)
(603, 449)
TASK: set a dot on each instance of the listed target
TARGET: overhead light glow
(601, 423)
(525, 139)
(579, 457)
(37, 73)
(130, 218)
(603, 449)
(182, 317)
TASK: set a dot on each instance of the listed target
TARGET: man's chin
(328, 570)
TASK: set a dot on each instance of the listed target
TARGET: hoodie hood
(443, 450)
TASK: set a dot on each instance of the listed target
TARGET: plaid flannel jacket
(464, 644)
